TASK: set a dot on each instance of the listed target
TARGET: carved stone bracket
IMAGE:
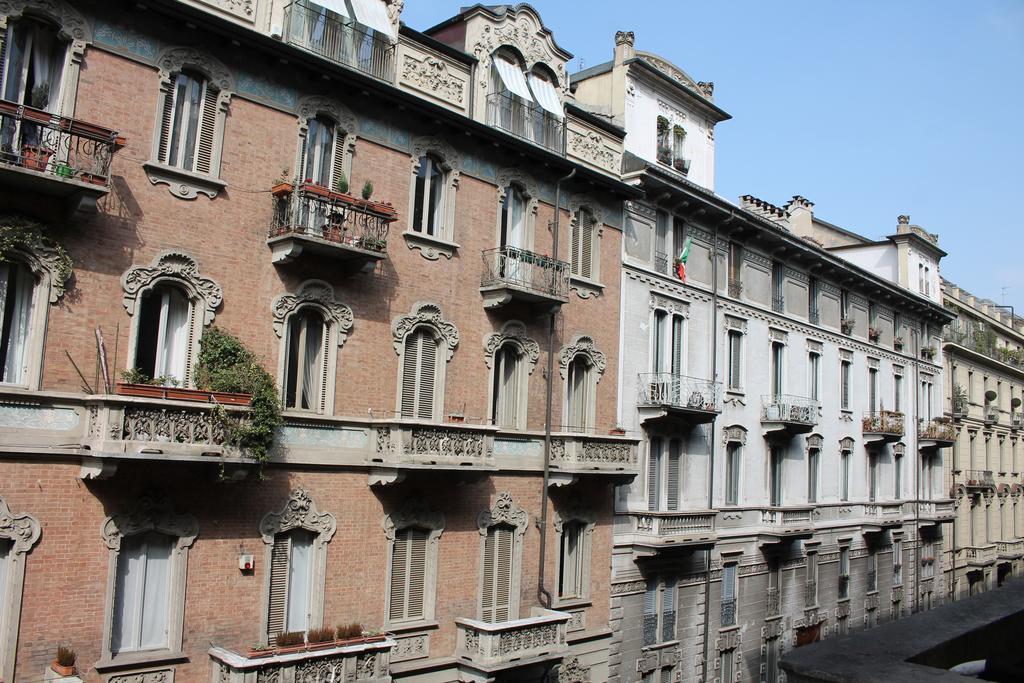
(173, 60)
(734, 434)
(414, 513)
(505, 511)
(424, 313)
(22, 529)
(514, 332)
(150, 515)
(177, 267)
(582, 344)
(319, 295)
(299, 512)
(571, 671)
(514, 176)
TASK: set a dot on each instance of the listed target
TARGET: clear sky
(869, 108)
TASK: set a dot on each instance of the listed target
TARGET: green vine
(226, 365)
(22, 234)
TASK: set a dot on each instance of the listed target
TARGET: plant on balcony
(226, 365)
(897, 343)
(320, 638)
(346, 632)
(21, 234)
(874, 334)
(665, 154)
(367, 190)
(290, 641)
(846, 325)
(64, 664)
(928, 352)
(258, 650)
(35, 155)
(342, 184)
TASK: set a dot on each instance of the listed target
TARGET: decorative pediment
(175, 267)
(846, 444)
(150, 515)
(521, 28)
(734, 434)
(574, 511)
(424, 313)
(315, 105)
(22, 529)
(451, 160)
(298, 513)
(899, 449)
(581, 201)
(582, 345)
(320, 296)
(571, 671)
(815, 441)
(529, 186)
(72, 25)
(515, 332)
(173, 60)
(414, 513)
(505, 511)
(27, 241)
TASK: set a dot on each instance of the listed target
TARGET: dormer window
(670, 145)
(530, 110)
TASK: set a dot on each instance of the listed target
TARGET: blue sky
(870, 109)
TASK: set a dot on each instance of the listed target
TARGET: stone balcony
(979, 480)
(977, 555)
(513, 274)
(362, 663)
(784, 416)
(770, 524)
(491, 647)
(882, 426)
(937, 433)
(879, 517)
(658, 532)
(1010, 550)
(937, 512)
(674, 399)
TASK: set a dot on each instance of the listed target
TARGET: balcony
(979, 480)
(526, 120)
(728, 616)
(882, 426)
(310, 219)
(1010, 550)
(978, 556)
(309, 26)
(784, 524)
(664, 396)
(655, 532)
(55, 156)
(368, 662)
(785, 416)
(514, 274)
(958, 405)
(1016, 420)
(879, 517)
(937, 433)
(991, 415)
(489, 648)
(936, 512)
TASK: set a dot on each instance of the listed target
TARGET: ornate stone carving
(316, 105)
(72, 25)
(447, 442)
(411, 647)
(299, 512)
(571, 671)
(505, 511)
(43, 259)
(628, 587)
(815, 441)
(414, 513)
(514, 176)
(177, 267)
(172, 60)
(846, 444)
(150, 515)
(582, 345)
(451, 160)
(624, 38)
(605, 451)
(523, 30)
(734, 434)
(582, 201)
(574, 511)
(733, 323)
(431, 75)
(425, 314)
(161, 676)
(22, 529)
(523, 639)
(243, 9)
(513, 332)
(171, 426)
(590, 146)
(320, 296)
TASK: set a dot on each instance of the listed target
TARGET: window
(844, 304)
(661, 242)
(18, 535)
(408, 584)
(813, 465)
(732, 473)
(306, 364)
(428, 208)
(17, 294)
(190, 119)
(513, 218)
(814, 375)
(844, 474)
(575, 530)
(735, 269)
(813, 314)
(672, 483)
(419, 376)
(727, 665)
(659, 619)
(844, 572)
(778, 285)
(811, 598)
(35, 58)
(897, 479)
(844, 384)
(778, 369)
(872, 477)
(735, 359)
(533, 111)
(291, 576)
(162, 338)
(897, 390)
(323, 155)
(897, 562)
(771, 659)
(873, 389)
(872, 570)
(663, 475)
(578, 393)
(507, 405)
(497, 573)
(775, 477)
(667, 348)
(728, 616)
(584, 236)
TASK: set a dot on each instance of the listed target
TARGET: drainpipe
(917, 477)
(543, 595)
(711, 447)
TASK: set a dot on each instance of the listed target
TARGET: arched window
(579, 396)
(419, 376)
(434, 182)
(501, 528)
(162, 339)
(428, 209)
(322, 153)
(507, 387)
(34, 57)
(307, 361)
(547, 116)
(413, 533)
(189, 123)
(17, 296)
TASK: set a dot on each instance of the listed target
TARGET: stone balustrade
(495, 646)
(362, 663)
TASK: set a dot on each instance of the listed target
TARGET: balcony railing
(500, 645)
(940, 510)
(1010, 549)
(312, 27)
(728, 612)
(1016, 420)
(679, 391)
(883, 423)
(526, 120)
(811, 594)
(368, 662)
(674, 523)
(979, 555)
(939, 429)
(794, 411)
(542, 277)
(991, 414)
(56, 146)
(980, 479)
(983, 340)
(328, 222)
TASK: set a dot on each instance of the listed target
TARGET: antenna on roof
(579, 61)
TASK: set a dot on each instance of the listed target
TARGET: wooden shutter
(399, 574)
(651, 597)
(207, 132)
(734, 360)
(496, 599)
(672, 485)
(844, 380)
(410, 362)
(3, 59)
(428, 358)
(416, 593)
(653, 470)
(166, 122)
(338, 164)
(278, 609)
(677, 348)
(586, 243)
(576, 229)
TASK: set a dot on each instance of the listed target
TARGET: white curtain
(319, 151)
(142, 593)
(299, 578)
(155, 593)
(312, 363)
(16, 285)
(48, 64)
(173, 336)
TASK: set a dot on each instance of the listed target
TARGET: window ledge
(574, 603)
(407, 626)
(584, 287)
(131, 660)
(431, 248)
(181, 183)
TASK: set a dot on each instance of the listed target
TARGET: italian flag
(681, 260)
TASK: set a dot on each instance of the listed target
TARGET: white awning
(512, 77)
(336, 6)
(374, 14)
(545, 94)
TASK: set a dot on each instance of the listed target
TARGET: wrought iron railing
(786, 408)
(526, 120)
(980, 478)
(55, 145)
(317, 212)
(810, 594)
(666, 388)
(728, 611)
(650, 629)
(872, 580)
(668, 625)
(936, 430)
(312, 27)
(883, 422)
(526, 270)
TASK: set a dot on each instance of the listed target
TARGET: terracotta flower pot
(35, 158)
(142, 390)
(63, 670)
(282, 189)
(260, 653)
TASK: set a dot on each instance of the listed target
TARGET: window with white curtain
(579, 394)
(572, 561)
(322, 153)
(291, 578)
(429, 210)
(813, 468)
(513, 218)
(17, 290)
(34, 57)
(162, 339)
(507, 387)
(141, 597)
(306, 364)
(419, 395)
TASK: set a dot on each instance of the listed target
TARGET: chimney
(801, 215)
(902, 224)
(623, 47)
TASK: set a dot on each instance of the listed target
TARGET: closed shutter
(845, 382)
(3, 64)
(498, 546)
(410, 362)
(666, 675)
(651, 597)
(166, 121)
(207, 132)
(586, 243)
(677, 348)
(734, 360)
(338, 165)
(428, 357)
(576, 229)
(278, 608)
(417, 573)
(668, 610)
(653, 473)
(399, 575)
(672, 485)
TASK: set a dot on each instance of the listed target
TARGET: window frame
(579, 204)
(586, 521)
(427, 317)
(414, 514)
(38, 315)
(504, 512)
(734, 351)
(527, 185)
(449, 162)
(582, 348)
(21, 535)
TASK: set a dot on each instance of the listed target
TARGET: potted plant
(665, 154)
(617, 431)
(342, 184)
(320, 638)
(289, 642)
(282, 185)
(34, 154)
(874, 334)
(681, 165)
(846, 325)
(135, 382)
(367, 190)
(259, 650)
(897, 343)
(928, 352)
(64, 664)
